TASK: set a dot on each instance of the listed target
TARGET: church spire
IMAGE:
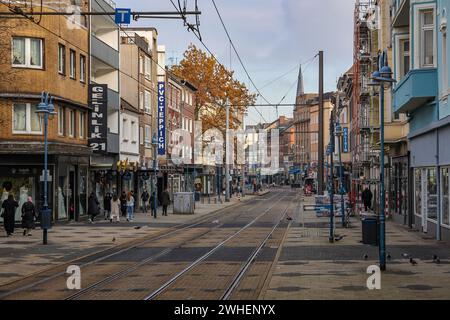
(300, 88)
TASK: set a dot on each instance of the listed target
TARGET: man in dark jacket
(366, 198)
(93, 209)
(28, 216)
(144, 197)
(165, 201)
(123, 204)
(153, 204)
(107, 205)
(9, 211)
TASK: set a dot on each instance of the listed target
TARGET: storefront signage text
(98, 120)
(161, 118)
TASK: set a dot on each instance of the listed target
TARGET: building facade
(51, 56)
(419, 39)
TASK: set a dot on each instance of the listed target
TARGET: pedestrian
(9, 207)
(130, 206)
(107, 205)
(153, 204)
(93, 207)
(123, 204)
(144, 197)
(165, 201)
(366, 198)
(115, 209)
(29, 215)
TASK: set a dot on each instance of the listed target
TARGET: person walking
(144, 197)
(153, 204)
(93, 207)
(9, 207)
(123, 204)
(29, 215)
(115, 209)
(366, 198)
(107, 205)
(165, 201)
(130, 206)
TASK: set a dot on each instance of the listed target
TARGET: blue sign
(345, 140)
(161, 118)
(123, 16)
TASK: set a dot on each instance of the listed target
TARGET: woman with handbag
(9, 211)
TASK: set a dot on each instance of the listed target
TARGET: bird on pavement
(413, 262)
(389, 256)
(339, 238)
(289, 218)
(436, 259)
(137, 228)
(114, 239)
(366, 256)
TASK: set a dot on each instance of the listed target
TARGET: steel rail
(161, 289)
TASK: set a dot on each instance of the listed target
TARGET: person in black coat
(93, 208)
(144, 197)
(366, 197)
(9, 211)
(107, 205)
(153, 204)
(28, 216)
(165, 201)
(123, 204)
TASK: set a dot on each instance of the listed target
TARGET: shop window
(445, 196)
(432, 194)
(25, 119)
(418, 192)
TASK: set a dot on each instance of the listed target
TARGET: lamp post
(155, 167)
(338, 133)
(382, 77)
(46, 110)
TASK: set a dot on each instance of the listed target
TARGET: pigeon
(366, 256)
(137, 228)
(339, 238)
(215, 221)
(412, 261)
(389, 256)
(436, 259)
(289, 218)
(114, 239)
(405, 255)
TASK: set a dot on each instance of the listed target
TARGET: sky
(272, 37)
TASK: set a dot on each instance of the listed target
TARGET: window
(72, 64)
(124, 130)
(25, 119)
(445, 196)
(82, 124)
(61, 59)
(432, 195)
(141, 100)
(133, 132)
(27, 52)
(148, 67)
(148, 136)
(141, 64)
(147, 105)
(141, 135)
(71, 123)
(404, 57)
(61, 118)
(427, 37)
(82, 68)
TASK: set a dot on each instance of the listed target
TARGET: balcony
(417, 88)
(105, 53)
(400, 13)
(113, 100)
(113, 143)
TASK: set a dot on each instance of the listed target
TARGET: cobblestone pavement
(21, 256)
(309, 267)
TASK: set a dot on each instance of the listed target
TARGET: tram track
(129, 269)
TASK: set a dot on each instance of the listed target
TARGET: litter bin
(183, 203)
(370, 231)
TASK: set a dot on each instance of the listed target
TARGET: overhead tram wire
(215, 58)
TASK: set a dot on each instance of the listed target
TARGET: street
(247, 251)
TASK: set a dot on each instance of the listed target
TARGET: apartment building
(50, 56)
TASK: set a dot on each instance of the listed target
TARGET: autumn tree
(216, 86)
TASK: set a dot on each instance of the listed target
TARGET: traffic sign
(123, 16)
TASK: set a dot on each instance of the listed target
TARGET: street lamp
(338, 133)
(383, 78)
(155, 167)
(46, 110)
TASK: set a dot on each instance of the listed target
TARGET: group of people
(114, 207)
(29, 215)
